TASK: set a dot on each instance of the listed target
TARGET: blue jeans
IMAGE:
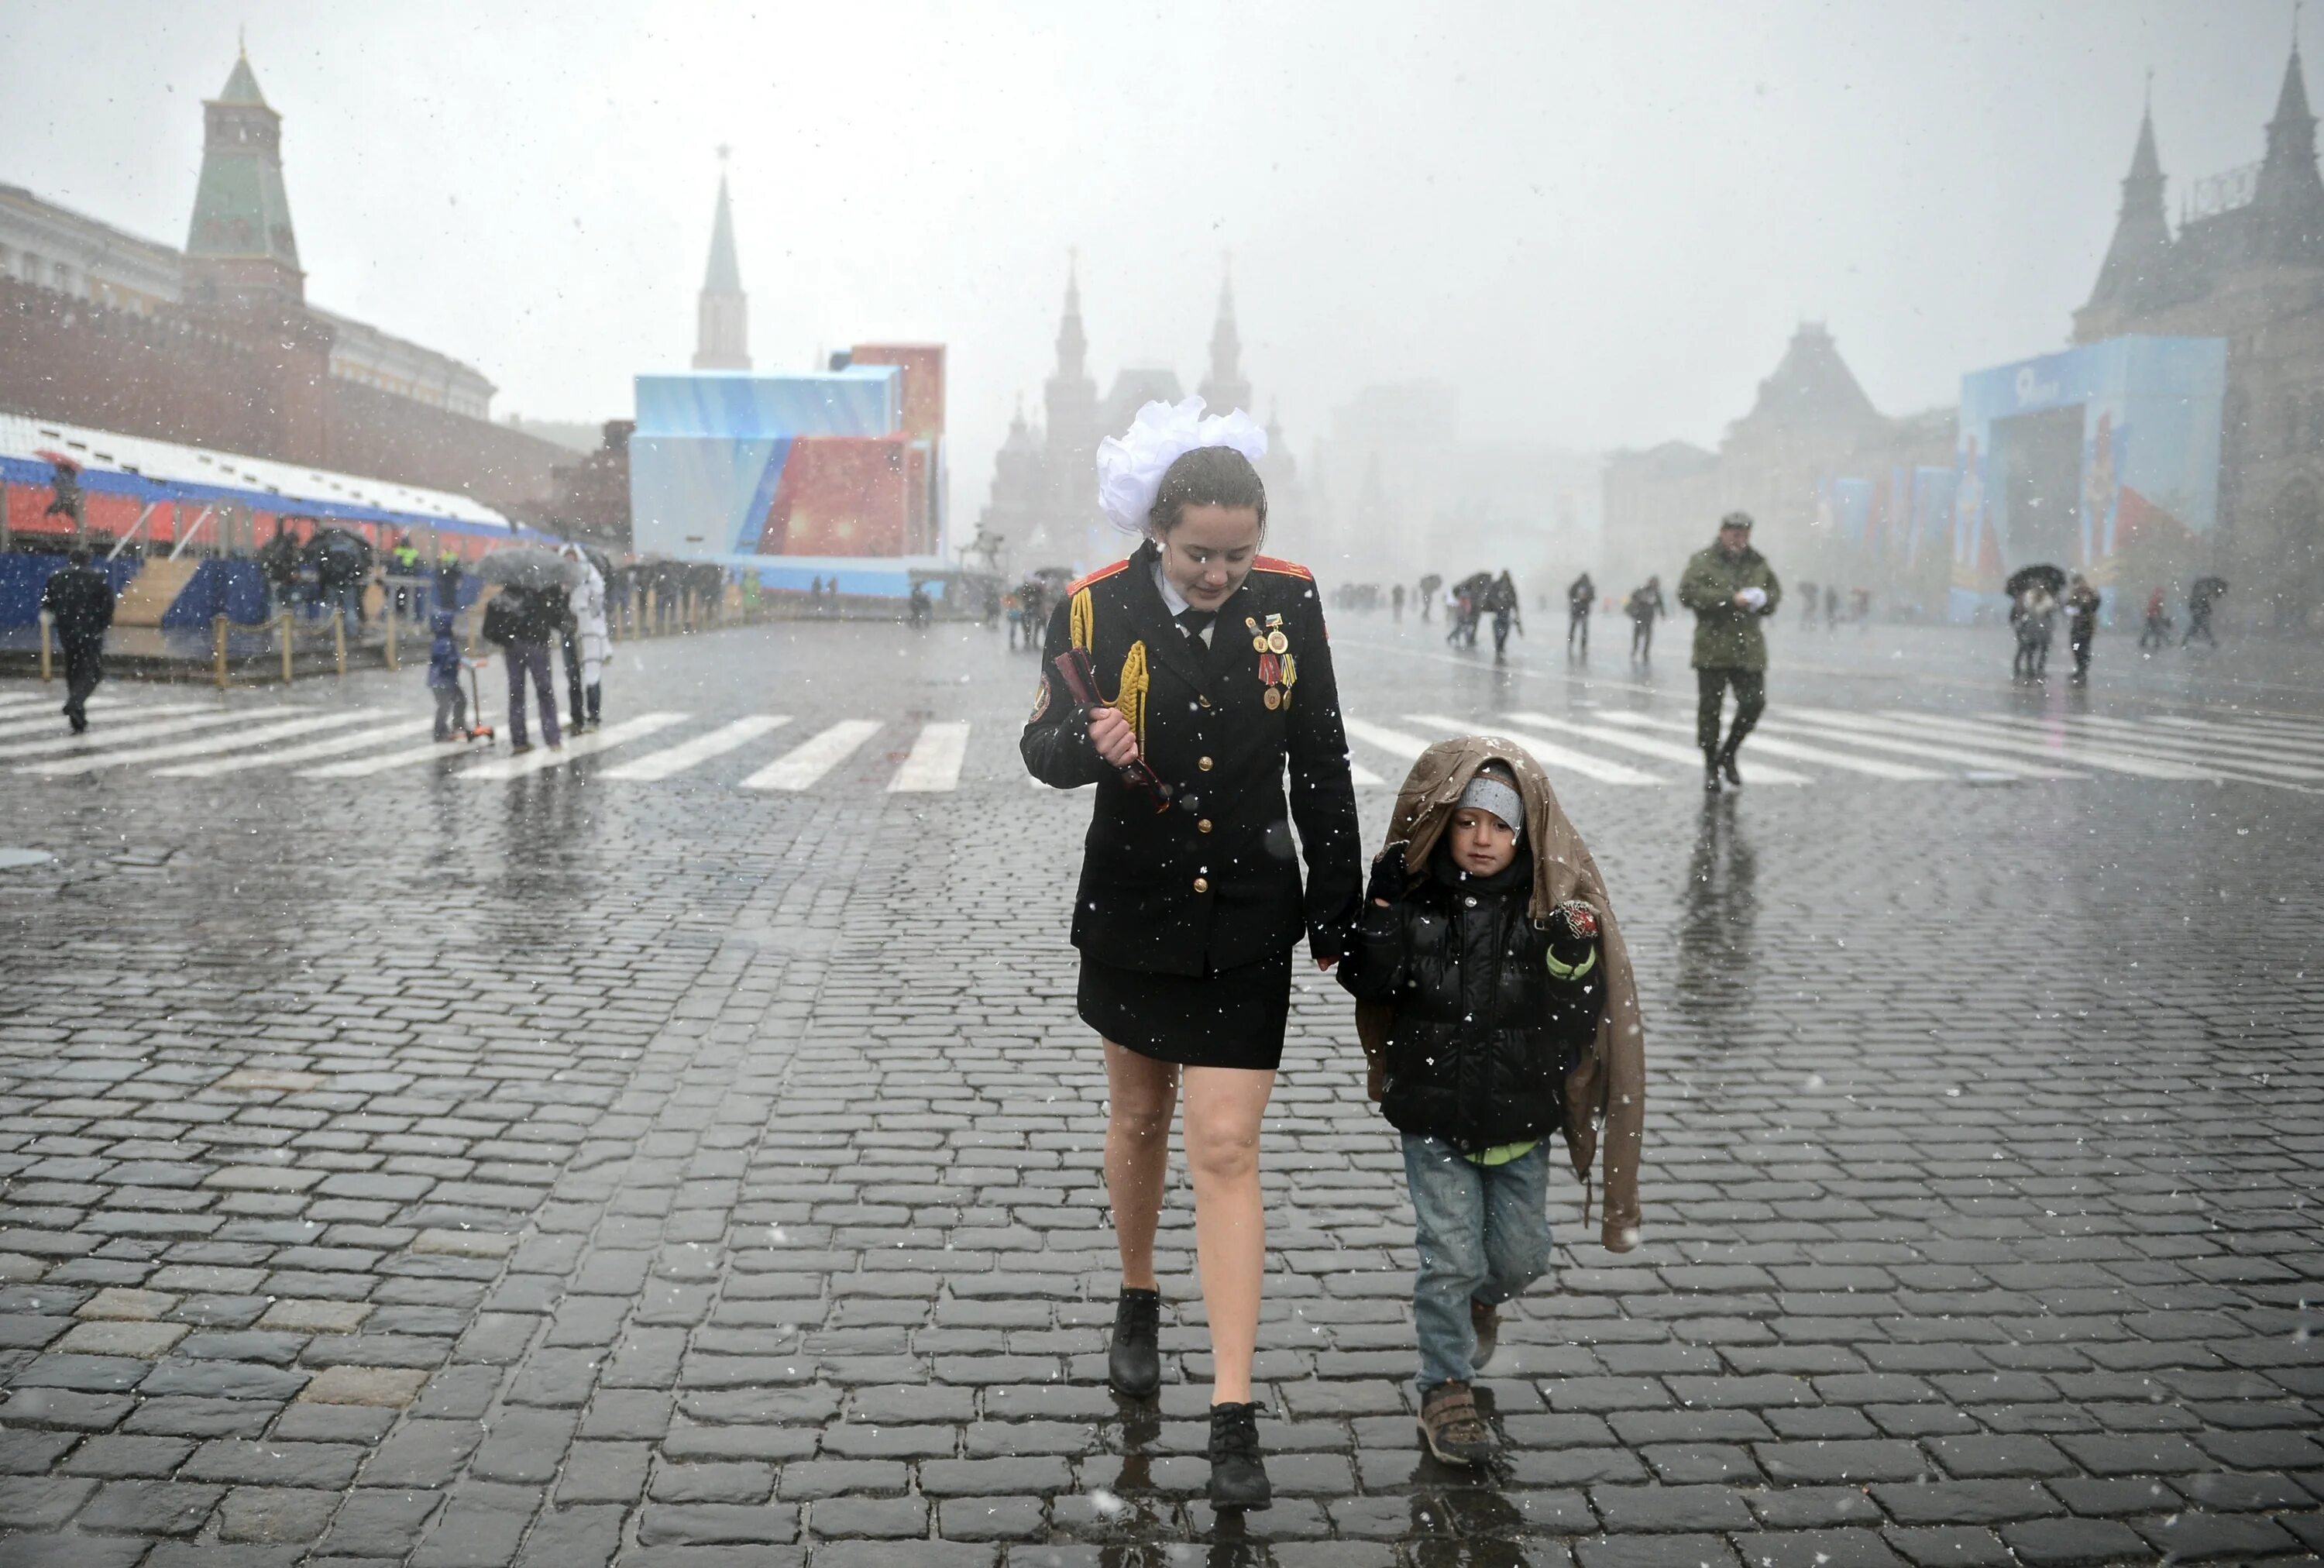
(1483, 1236)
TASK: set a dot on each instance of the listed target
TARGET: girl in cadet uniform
(1212, 671)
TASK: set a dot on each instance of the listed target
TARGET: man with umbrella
(524, 619)
(2200, 597)
(2032, 614)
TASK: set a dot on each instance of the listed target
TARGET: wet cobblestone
(570, 1176)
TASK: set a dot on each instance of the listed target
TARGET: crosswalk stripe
(1667, 751)
(1394, 741)
(1966, 758)
(1823, 757)
(1550, 754)
(934, 766)
(1995, 738)
(97, 740)
(114, 713)
(383, 762)
(283, 757)
(2295, 729)
(2179, 747)
(799, 767)
(693, 754)
(2195, 729)
(27, 702)
(2150, 764)
(203, 745)
(540, 759)
(1363, 778)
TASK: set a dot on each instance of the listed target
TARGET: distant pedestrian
(593, 648)
(448, 573)
(1395, 603)
(2157, 632)
(2200, 598)
(1496, 1007)
(1645, 607)
(1581, 598)
(2034, 620)
(1506, 606)
(1731, 588)
(1831, 608)
(524, 624)
(407, 581)
(1810, 602)
(2082, 604)
(916, 607)
(278, 562)
(444, 679)
(80, 599)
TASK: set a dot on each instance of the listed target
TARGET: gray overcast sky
(1600, 222)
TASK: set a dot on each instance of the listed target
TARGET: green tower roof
(240, 207)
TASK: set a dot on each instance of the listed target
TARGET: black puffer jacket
(1484, 1034)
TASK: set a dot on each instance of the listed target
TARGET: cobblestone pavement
(565, 1169)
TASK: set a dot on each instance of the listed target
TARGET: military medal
(1274, 666)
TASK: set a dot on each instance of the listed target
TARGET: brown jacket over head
(1606, 1092)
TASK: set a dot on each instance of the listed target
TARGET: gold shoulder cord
(1130, 696)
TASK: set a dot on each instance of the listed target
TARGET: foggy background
(1598, 226)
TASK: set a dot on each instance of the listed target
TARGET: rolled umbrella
(530, 566)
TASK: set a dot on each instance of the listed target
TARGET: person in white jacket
(586, 599)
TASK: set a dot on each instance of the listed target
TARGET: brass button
(1203, 826)
(1201, 884)
(1204, 764)
(1203, 700)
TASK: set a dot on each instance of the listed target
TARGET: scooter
(478, 730)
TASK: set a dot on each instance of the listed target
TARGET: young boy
(444, 679)
(1492, 1008)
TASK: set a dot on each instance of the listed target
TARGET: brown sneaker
(1450, 1426)
(1485, 1319)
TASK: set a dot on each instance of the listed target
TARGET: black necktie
(1194, 623)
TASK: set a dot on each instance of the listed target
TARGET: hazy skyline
(1600, 226)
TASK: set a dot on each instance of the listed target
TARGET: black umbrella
(2053, 578)
(2209, 587)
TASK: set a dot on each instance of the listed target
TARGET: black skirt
(1234, 1018)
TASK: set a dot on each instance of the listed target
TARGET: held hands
(1111, 734)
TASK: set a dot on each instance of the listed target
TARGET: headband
(1130, 466)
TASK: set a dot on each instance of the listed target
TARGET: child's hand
(1389, 873)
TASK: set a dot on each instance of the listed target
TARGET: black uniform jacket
(1209, 882)
(1484, 1035)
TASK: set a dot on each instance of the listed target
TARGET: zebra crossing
(1804, 746)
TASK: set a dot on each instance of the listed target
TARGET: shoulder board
(1287, 569)
(1098, 575)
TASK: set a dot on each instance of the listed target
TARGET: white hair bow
(1130, 466)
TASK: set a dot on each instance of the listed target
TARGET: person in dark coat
(524, 623)
(1581, 598)
(448, 573)
(1646, 605)
(1212, 671)
(2082, 605)
(79, 602)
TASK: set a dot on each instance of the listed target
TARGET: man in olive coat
(1731, 589)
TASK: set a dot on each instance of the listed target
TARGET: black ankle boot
(1133, 1363)
(1727, 766)
(1710, 773)
(1237, 1473)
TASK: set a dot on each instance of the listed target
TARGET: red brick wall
(252, 387)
